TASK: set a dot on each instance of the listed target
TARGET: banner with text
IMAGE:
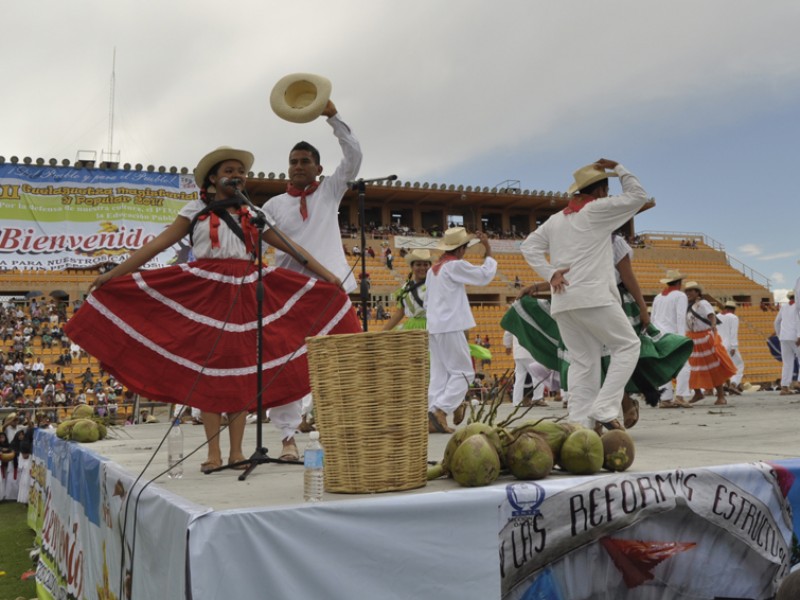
(642, 535)
(55, 218)
(103, 537)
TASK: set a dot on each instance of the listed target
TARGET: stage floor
(754, 426)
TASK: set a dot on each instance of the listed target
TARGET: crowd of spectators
(27, 383)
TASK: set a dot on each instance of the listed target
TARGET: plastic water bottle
(175, 450)
(313, 458)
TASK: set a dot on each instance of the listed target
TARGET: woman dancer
(411, 297)
(188, 332)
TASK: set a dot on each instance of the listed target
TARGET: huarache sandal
(238, 459)
(289, 450)
(210, 465)
(600, 428)
(630, 411)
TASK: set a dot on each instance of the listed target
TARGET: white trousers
(789, 352)
(585, 331)
(682, 388)
(520, 375)
(541, 376)
(286, 418)
(451, 370)
(736, 357)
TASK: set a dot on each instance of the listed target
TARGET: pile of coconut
(82, 427)
(477, 454)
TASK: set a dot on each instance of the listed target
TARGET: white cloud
(750, 249)
(778, 255)
(780, 294)
(778, 278)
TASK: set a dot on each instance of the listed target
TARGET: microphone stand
(361, 186)
(260, 456)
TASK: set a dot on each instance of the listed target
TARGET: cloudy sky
(700, 99)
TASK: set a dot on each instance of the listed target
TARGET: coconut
(86, 431)
(552, 433)
(488, 431)
(529, 457)
(64, 428)
(582, 453)
(103, 430)
(570, 427)
(452, 445)
(618, 450)
(82, 411)
(475, 462)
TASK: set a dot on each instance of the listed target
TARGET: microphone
(229, 182)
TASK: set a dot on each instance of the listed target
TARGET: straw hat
(455, 237)
(300, 97)
(217, 156)
(749, 387)
(790, 294)
(672, 275)
(588, 175)
(730, 304)
(10, 417)
(692, 285)
(418, 255)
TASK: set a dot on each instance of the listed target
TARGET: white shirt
(728, 329)
(619, 249)
(786, 323)
(230, 245)
(580, 241)
(446, 299)
(669, 312)
(702, 308)
(518, 351)
(797, 295)
(319, 233)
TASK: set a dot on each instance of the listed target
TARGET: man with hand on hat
(669, 316)
(449, 317)
(586, 303)
(788, 332)
(728, 328)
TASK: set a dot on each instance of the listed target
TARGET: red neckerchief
(791, 302)
(302, 194)
(250, 230)
(670, 288)
(577, 202)
(445, 258)
(213, 227)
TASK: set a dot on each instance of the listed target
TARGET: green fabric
(661, 355)
(415, 323)
(479, 352)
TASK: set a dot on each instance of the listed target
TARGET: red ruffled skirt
(188, 333)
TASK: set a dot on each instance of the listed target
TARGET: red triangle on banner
(635, 559)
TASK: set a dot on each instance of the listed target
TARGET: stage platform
(212, 536)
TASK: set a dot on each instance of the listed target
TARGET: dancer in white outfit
(449, 317)
(669, 316)
(586, 302)
(524, 365)
(728, 329)
(788, 332)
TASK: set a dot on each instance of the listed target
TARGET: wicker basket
(370, 402)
